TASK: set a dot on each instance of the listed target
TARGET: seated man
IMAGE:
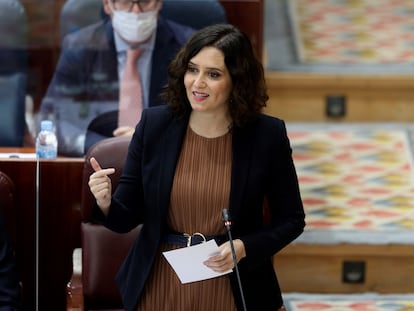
(9, 283)
(86, 83)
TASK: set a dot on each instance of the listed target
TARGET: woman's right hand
(100, 185)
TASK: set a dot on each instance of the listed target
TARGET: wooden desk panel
(318, 268)
(59, 218)
(301, 97)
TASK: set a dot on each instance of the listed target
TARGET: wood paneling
(247, 15)
(317, 268)
(58, 230)
(300, 97)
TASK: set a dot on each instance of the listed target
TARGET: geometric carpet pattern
(351, 305)
(352, 32)
(348, 302)
(355, 180)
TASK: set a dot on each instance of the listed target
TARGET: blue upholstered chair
(187, 12)
(13, 72)
(12, 109)
(77, 14)
(13, 37)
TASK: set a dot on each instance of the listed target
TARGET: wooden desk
(59, 219)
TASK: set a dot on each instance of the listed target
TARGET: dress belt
(185, 239)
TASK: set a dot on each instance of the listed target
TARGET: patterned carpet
(352, 32)
(355, 184)
(361, 302)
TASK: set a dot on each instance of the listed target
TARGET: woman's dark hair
(249, 93)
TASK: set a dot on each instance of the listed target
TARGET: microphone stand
(227, 224)
(37, 234)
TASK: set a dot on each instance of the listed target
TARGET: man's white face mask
(134, 27)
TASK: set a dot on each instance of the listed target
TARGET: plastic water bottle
(46, 141)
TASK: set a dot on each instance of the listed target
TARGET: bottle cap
(46, 125)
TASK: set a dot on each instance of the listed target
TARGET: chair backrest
(13, 72)
(7, 206)
(12, 109)
(13, 37)
(77, 14)
(187, 12)
(103, 251)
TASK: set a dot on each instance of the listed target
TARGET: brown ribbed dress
(200, 191)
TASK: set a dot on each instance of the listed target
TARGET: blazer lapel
(242, 149)
(172, 142)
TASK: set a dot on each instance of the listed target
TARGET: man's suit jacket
(85, 83)
(262, 166)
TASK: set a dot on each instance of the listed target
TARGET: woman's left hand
(223, 261)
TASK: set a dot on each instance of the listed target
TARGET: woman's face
(208, 82)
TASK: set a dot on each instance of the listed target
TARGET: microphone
(227, 224)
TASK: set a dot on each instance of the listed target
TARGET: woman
(208, 149)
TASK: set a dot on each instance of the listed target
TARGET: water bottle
(46, 141)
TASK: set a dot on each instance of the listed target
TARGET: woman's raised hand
(100, 185)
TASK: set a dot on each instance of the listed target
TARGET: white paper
(17, 155)
(187, 262)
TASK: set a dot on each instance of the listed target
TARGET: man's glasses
(127, 5)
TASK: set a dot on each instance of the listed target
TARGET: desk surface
(17, 149)
(6, 154)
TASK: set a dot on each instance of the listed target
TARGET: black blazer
(262, 167)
